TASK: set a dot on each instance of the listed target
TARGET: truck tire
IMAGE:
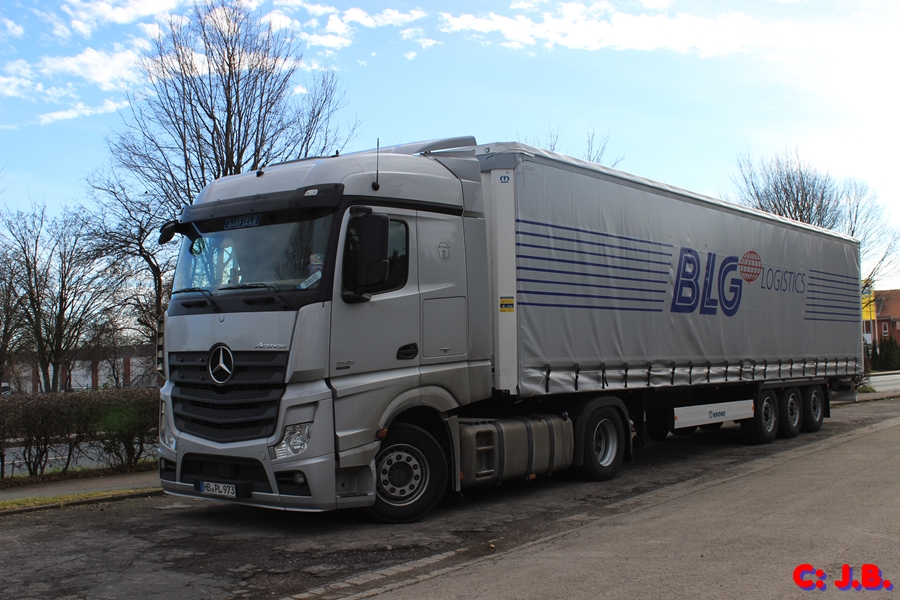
(762, 427)
(604, 444)
(813, 409)
(790, 413)
(410, 475)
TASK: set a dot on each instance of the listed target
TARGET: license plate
(217, 489)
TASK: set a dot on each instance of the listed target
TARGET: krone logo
(221, 364)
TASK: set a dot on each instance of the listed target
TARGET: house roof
(887, 304)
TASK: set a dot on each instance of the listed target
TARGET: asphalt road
(168, 547)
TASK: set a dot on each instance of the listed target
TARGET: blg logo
(720, 286)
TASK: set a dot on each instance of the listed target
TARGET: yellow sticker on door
(507, 304)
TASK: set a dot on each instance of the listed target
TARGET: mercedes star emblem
(221, 364)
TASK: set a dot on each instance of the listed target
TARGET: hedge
(116, 427)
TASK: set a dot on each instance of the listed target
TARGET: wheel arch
(426, 408)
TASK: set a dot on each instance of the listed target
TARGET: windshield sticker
(240, 222)
(310, 280)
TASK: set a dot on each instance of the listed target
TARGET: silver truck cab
(315, 303)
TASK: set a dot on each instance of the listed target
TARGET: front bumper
(319, 472)
(259, 478)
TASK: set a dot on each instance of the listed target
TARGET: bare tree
(788, 186)
(125, 229)
(594, 152)
(63, 285)
(219, 100)
(548, 143)
(597, 148)
(11, 304)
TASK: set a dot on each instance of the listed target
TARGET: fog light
(299, 478)
(295, 440)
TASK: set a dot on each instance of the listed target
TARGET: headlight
(166, 435)
(295, 440)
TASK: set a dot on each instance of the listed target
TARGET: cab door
(375, 344)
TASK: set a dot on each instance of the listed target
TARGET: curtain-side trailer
(375, 329)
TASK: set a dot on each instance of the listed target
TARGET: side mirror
(167, 232)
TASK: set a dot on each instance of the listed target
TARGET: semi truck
(381, 328)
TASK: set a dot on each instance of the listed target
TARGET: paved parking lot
(168, 547)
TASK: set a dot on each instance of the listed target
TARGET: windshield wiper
(206, 294)
(254, 286)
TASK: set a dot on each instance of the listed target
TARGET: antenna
(375, 184)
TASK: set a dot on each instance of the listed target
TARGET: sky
(681, 86)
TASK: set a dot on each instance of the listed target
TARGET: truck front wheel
(604, 444)
(410, 475)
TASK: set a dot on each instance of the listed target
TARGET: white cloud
(326, 41)
(385, 17)
(656, 3)
(12, 29)
(317, 10)
(417, 36)
(59, 28)
(592, 27)
(86, 15)
(80, 110)
(18, 68)
(278, 20)
(410, 55)
(340, 29)
(361, 63)
(16, 87)
(337, 26)
(20, 84)
(300, 90)
(106, 69)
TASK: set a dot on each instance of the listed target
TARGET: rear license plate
(211, 488)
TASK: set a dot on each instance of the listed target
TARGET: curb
(97, 500)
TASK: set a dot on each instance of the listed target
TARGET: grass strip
(21, 503)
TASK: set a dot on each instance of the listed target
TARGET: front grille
(244, 409)
(204, 467)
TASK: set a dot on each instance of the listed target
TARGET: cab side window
(398, 257)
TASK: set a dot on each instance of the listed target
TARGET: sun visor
(317, 196)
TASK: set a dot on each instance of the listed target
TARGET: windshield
(282, 252)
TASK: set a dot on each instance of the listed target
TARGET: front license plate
(217, 489)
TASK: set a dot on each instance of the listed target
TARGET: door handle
(408, 352)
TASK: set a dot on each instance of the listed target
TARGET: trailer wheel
(790, 413)
(604, 444)
(813, 409)
(410, 475)
(762, 427)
